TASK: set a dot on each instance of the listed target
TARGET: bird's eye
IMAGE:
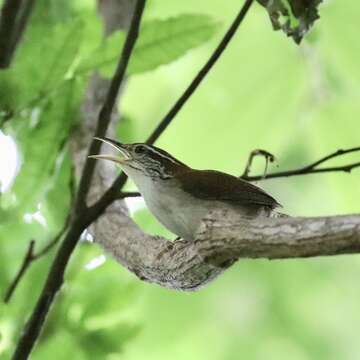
(140, 149)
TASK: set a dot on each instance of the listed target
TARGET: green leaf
(64, 56)
(104, 57)
(294, 17)
(57, 199)
(163, 41)
(160, 43)
(41, 136)
(45, 62)
(100, 317)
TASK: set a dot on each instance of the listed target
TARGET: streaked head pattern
(144, 158)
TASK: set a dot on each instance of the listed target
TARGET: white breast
(176, 210)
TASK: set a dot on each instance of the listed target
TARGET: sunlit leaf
(40, 142)
(160, 42)
(99, 316)
(64, 56)
(57, 199)
(163, 41)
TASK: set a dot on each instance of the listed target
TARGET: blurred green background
(298, 102)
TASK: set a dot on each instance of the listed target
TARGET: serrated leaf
(294, 17)
(104, 57)
(163, 41)
(160, 43)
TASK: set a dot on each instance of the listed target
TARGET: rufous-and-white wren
(179, 196)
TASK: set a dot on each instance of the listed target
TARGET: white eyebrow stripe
(163, 155)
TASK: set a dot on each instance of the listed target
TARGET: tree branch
(29, 257)
(80, 220)
(222, 239)
(14, 17)
(106, 110)
(305, 170)
(331, 156)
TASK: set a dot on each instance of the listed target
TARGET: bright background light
(9, 161)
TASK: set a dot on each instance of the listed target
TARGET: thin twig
(29, 257)
(333, 155)
(311, 168)
(112, 193)
(127, 194)
(13, 20)
(258, 152)
(346, 168)
(80, 220)
(25, 264)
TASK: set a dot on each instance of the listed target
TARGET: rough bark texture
(221, 240)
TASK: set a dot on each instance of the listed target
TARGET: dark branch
(80, 220)
(13, 20)
(127, 194)
(29, 257)
(258, 152)
(201, 74)
(311, 168)
(106, 110)
(331, 156)
(111, 194)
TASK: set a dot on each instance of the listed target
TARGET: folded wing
(215, 185)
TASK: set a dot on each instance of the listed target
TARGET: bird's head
(142, 159)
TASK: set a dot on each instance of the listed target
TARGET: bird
(180, 196)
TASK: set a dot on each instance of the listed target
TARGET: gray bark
(221, 240)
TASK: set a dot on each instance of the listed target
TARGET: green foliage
(94, 316)
(299, 103)
(163, 41)
(160, 42)
(42, 140)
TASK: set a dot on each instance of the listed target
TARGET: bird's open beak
(125, 154)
